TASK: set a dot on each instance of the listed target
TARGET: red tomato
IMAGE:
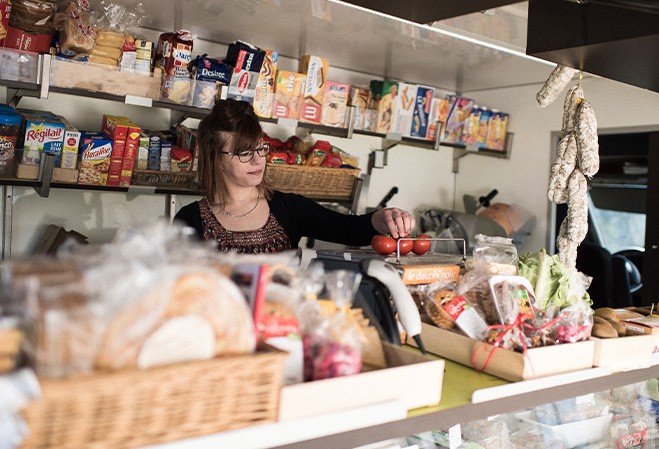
(383, 244)
(421, 246)
(405, 246)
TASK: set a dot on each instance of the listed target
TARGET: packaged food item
(335, 103)
(175, 89)
(332, 343)
(143, 56)
(245, 56)
(10, 124)
(436, 296)
(496, 134)
(43, 132)
(483, 124)
(421, 112)
(288, 94)
(513, 298)
(318, 153)
(404, 106)
(174, 53)
(243, 85)
(208, 73)
(265, 85)
(434, 126)
(154, 151)
(143, 151)
(76, 34)
(383, 95)
(126, 141)
(31, 25)
(5, 9)
(95, 152)
(498, 253)
(470, 131)
(359, 99)
(316, 70)
(459, 110)
(70, 145)
(181, 159)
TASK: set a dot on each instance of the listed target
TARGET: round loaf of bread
(198, 315)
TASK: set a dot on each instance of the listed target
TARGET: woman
(243, 214)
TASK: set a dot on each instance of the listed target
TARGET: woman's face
(242, 174)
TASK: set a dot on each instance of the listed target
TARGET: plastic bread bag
(435, 296)
(333, 343)
(76, 34)
(499, 253)
(513, 298)
(474, 286)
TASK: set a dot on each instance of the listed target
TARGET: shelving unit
(467, 396)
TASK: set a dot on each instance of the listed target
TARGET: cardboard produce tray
(102, 79)
(506, 364)
(630, 351)
(410, 377)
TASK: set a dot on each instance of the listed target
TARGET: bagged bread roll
(202, 315)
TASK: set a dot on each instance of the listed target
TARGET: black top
(301, 217)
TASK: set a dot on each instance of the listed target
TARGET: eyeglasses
(247, 155)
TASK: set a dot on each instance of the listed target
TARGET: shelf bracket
(45, 174)
(7, 221)
(459, 153)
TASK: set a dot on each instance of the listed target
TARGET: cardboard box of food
(335, 103)
(509, 365)
(624, 352)
(383, 99)
(288, 94)
(410, 377)
(265, 85)
(359, 98)
(95, 152)
(422, 103)
(644, 325)
(315, 69)
(405, 101)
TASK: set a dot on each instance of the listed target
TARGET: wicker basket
(319, 183)
(133, 408)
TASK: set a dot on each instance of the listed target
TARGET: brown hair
(230, 121)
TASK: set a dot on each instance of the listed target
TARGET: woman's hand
(394, 221)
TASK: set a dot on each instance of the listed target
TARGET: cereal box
(359, 99)
(383, 99)
(422, 103)
(245, 56)
(315, 68)
(405, 101)
(95, 152)
(335, 103)
(288, 94)
(496, 133)
(143, 152)
(265, 85)
(43, 133)
(470, 129)
(483, 124)
(434, 126)
(459, 110)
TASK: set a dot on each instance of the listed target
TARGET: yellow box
(288, 94)
(315, 69)
(509, 365)
(265, 86)
(410, 377)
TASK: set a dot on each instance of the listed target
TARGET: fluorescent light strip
(447, 33)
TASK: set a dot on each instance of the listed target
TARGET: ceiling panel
(353, 39)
